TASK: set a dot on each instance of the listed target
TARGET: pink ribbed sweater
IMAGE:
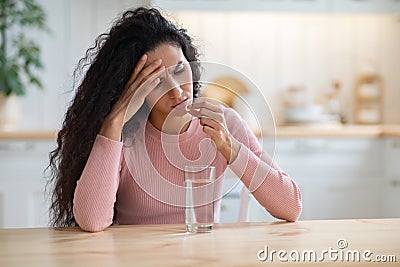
(128, 177)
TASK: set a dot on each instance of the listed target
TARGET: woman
(139, 88)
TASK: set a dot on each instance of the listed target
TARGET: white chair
(244, 205)
(250, 210)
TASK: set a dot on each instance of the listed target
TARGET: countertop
(337, 242)
(283, 131)
(28, 135)
(339, 131)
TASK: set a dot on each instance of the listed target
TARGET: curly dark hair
(109, 64)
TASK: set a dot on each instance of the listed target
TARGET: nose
(176, 90)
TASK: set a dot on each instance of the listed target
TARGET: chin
(178, 113)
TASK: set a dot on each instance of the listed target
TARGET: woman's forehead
(169, 54)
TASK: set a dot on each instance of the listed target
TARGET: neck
(170, 125)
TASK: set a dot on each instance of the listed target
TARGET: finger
(139, 66)
(150, 85)
(142, 82)
(203, 112)
(139, 96)
(141, 91)
(214, 134)
(136, 81)
(205, 104)
(150, 82)
(158, 73)
(211, 123)
(148, 70)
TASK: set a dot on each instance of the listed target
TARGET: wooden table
(235, 244)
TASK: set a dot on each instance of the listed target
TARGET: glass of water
(199, 198)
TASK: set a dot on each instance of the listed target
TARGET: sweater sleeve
(273, 188)
(96, 190)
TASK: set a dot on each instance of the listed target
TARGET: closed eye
(180, 68)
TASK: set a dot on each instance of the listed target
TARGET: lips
(180, 104)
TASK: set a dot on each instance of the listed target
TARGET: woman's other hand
(213, 121)
(142, 81)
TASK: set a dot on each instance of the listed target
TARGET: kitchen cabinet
(340, 178)
(391, 188)
(23, 202)
(315, 6)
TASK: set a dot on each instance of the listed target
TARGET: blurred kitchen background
(330, 70)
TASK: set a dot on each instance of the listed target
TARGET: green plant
(19, 56)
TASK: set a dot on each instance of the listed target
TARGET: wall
(278, 50)
(74, 26)
(304, 49)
